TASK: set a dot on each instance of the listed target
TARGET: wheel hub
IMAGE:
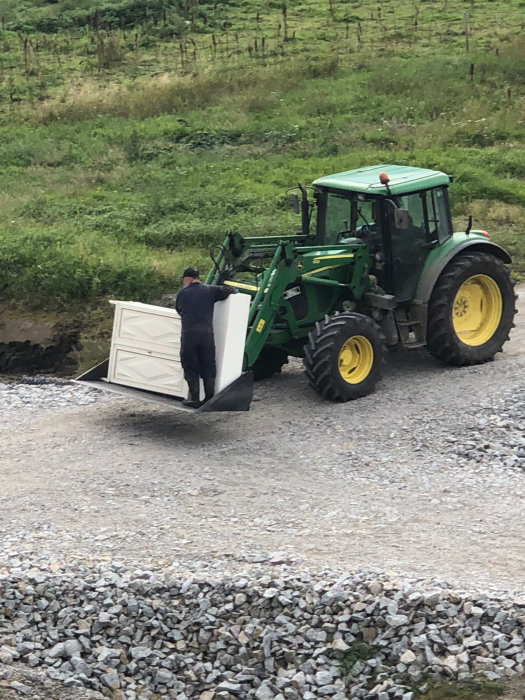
(355, 360)
(460, 307)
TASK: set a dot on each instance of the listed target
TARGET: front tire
(269, 362)
(471, 310)
(344, 356)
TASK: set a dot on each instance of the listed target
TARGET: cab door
(427, 226)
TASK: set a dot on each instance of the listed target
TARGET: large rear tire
(269, 362)
(471, 310)
(344, 356)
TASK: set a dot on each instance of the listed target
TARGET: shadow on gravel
(412, 364)
(173, 427)
(418, 360)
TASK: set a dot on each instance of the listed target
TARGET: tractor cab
(400, 215)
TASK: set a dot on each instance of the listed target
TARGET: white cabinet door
(145, 326)
(146, 371)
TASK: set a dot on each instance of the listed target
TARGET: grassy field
(133, 135)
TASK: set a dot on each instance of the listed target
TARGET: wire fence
(33, 66)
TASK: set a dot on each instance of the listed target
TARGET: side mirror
(401, 219)
(293, 202)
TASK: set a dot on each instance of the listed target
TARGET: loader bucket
(237, 396)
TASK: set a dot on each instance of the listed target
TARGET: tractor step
(415, 343)
(406, 323)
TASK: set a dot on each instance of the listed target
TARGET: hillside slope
(134, 134)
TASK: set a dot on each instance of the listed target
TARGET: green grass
(133, 138)
(357, 651)
(473, 689)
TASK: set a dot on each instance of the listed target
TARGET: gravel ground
(426, 477)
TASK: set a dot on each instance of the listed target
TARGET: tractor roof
(403, 179)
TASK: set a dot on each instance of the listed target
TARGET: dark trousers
(197, 355)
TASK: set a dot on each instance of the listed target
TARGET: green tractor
(380, 267)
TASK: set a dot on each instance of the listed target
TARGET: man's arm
(223, 292)
(178, 303)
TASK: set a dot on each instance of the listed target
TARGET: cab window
(439, 224)
(429, 219)
(428, 224)
(407, 245)
(344, 217)
(337, 220)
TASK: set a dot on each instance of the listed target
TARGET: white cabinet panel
(230, 320)
(152, 328)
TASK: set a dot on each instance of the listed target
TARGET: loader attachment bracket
(237, 396)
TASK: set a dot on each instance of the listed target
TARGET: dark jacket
(195, 304)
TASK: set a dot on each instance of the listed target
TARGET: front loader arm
(265, 304)
(235, 249)
(266, 291)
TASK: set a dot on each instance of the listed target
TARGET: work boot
(193, 400)
(209, 388)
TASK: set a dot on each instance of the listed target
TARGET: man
(195, 303)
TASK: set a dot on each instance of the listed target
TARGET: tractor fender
(435, 267)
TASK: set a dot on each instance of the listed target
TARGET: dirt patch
(18, 681)
(29, 345)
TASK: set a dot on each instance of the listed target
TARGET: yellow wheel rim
(355, 360)
(477, 309)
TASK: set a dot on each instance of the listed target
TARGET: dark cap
(191, 272)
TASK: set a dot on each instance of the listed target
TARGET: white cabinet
(145, 345)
